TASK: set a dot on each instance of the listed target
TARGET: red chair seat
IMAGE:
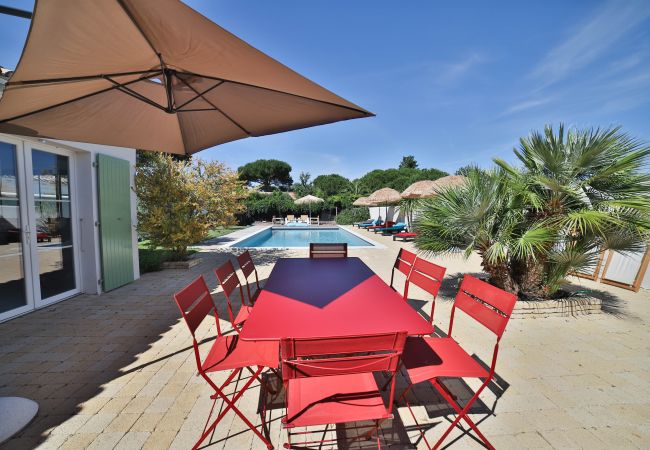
(230, 352)
(243, 314)
(334, 399)
(428, 357)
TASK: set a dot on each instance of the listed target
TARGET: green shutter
(115, 230)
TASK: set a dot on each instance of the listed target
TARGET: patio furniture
(229, 281)
(331, 380)
(388, 223)
(433, 358)
(395, 228)
(290, 218)
(403, 263)
(278, 221)
(328, 250)
(306, 297)
(226, 353)
(372, 223)
(304, 218)
(404, 236)
(248, 267)
(314, 220)
(428, 277)
(365, 222)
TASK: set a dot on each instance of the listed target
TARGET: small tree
(180, 201)
(408, 162)
(332, 184)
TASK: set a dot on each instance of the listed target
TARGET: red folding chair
(403, 263)
(226, 353)
(248, 267)
(427, 276)
(328, 250)
(229, 281)
(429, 359)
(330, 380)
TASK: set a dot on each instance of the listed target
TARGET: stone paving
(117, 371)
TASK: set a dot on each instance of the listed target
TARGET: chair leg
(230, 404)
(461, 414)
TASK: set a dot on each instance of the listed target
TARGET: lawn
(151, 259)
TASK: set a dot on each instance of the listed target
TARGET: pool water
(284, 238)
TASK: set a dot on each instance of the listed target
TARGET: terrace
(118, 371)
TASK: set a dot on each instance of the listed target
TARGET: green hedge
(352, 215)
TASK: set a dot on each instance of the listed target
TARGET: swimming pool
(275, 237)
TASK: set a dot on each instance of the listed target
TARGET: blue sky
(451, 83)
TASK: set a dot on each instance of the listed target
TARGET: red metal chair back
(195, 303)
(229, 281)
(427, 276)
(319, 357)
(328, 250)
(248, 267)
(403, 263)
(487, 304)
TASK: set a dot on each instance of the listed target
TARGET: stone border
(182, 264)
(568, 307)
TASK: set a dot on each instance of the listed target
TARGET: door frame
(74, 219)
(25, 231)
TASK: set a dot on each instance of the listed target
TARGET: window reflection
(51, 185)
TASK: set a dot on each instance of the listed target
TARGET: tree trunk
(501, 277)
(530, 276)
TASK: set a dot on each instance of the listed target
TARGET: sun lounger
(290, 218)
(377, 227)
(365, 222)
(405, 236)
(396, 228)
(304, 218)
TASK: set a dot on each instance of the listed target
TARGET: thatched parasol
(362, 201)
(384, 197)
(449, 181)
(308, 200)
(420, 189)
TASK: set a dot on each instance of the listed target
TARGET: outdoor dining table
(306, 298)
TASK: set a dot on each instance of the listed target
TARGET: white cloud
(451, 72)
(525, 105)
(591, 40)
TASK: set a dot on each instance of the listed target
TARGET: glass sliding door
(52, 217)
(15, 292)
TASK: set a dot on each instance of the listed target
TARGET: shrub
(352, 215)
(180, 201)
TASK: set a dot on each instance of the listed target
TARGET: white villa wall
(394, 213)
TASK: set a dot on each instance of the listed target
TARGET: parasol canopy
(153, 75)
(363, 201)
(449, 181)
(385, 197)
(420, 189)
(308, 200)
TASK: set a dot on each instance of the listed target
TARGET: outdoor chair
(432, 358)
(314, 221)
(304, 218)
(248, 267)
(226, 353)
(428, 277)
(328, 250)
(403, 263)
(331, 380)
(290, 218)
(229, 281)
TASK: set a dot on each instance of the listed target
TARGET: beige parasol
(449, 181)
(362, 201)
(420, 189)
(153, 75)
(384, 197)
(309, 200)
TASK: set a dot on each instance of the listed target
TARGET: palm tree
(577, 193)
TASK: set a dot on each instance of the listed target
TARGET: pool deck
(118, 371)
